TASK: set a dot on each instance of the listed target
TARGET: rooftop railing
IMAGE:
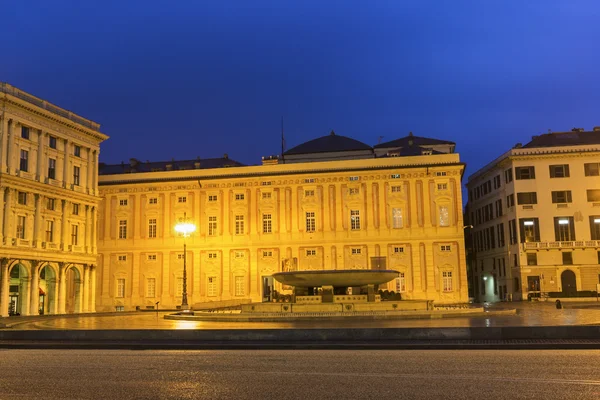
(571, 244)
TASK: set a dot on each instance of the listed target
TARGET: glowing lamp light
(528, 223)
(485, 278)
(563, 222)
(185, 228)
(597, 220)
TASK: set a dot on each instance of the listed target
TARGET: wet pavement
(528, 314)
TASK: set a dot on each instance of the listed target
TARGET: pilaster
(90, 169)
(8, 225)
(41, 173)
(37, 221)
(3, 143)
(66, 164)
(4, 285)
(10, 149)
(34, 294)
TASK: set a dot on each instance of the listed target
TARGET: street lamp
(185, 228)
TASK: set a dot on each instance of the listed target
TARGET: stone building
(49, 201)
(330, 203)
(536, 217)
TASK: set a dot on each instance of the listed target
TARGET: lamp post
(185, 228)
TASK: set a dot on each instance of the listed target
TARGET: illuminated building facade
(328, 204)
(49, 201)
(536, 217)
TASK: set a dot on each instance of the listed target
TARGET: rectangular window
(122, 257)
(212, 197)
(52, 168)
(22, 198)
(397, 221)
(500, 228)
(353, 191)
(76, 173)
(212, 256)
(74, 234)
(512, 231)
(24, 162)
(400, 283)
(497, 182)
(239, 224)
(444, 216)
(440, 173)
(239, 286)
(442, 186)
(25, 132)
(309, 180)
(239, 254)
(77, 151)
(153, 200)
(311, 222)
(353, 178)
(355, 220)
(309, 193)
(152, 228)
(21, 221)
(212, 225)
(564, 229)
(561, 196)
(524, 173)
(52, 142)
(123, 202)
(531, 258)
(180, 256)
(182, 199)
(592, 169)
(356, 251)
(445, 247)
(151, 257)
(267, 183)
(123, 229)
(239, 196)
(267, 223)
(150, 287)
(120, 287)
(510, 200)
(567, 258)
(50, 203)
(447, 281)
(75, 209)
(595, 227)
(49, 231)
(559, 171)
(593, 195)
(212, 286)
(266, 195)
(527, 198)
(396, 189)
(311, 252)
(398, 249)
(530, 229)
(508, 176)
(267, 253)
(395, 176)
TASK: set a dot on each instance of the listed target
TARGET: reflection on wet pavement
(528, 314)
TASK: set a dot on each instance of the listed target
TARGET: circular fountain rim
(375, 277)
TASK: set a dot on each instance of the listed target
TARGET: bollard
(558, 305)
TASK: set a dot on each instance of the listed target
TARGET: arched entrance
(18, 290)
(74, 289)
(48, 290)
(568, 281)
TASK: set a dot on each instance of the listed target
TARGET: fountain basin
(336, 278)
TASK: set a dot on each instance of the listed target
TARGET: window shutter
(536, 223)
(556, 226)
(567, 170)
(522, 230)
(571, 228)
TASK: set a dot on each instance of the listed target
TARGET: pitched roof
(139, 166)
(572, 138)
(407, 140)
(328, 144)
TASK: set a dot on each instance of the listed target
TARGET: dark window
(22, 198)
(531, 258)
(51, 168)
(24, 163)
(592, 169)
(75, 209)
(52, 142)
(595, 227)
(530, 229)
(564, 229)
(527, 198)
(492, 238)
(77, 151)
(524, 173)
(510, 200)
(559, 171)
(515, 260)
(561, 196)
(76, 175)
(500, 228)
(567, 258)
(516, 284)
(512, 231)
(499, 208)
(508, 177)
(25, 132)
(593, 194)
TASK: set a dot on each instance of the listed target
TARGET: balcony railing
(572, 244)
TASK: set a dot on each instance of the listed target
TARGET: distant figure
(558, 305)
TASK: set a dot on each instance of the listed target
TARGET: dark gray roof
(572, 138)
(407, 140)
(328, 144)
(154, 166)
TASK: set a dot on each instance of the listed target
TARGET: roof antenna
(379, 141)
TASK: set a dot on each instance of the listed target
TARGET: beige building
(49, 200)
(536, 217)
(327, 204)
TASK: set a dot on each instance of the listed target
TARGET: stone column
(66, 180)
(10, 149)
(41, 174)
(92, 304)
(3, 143)
(62, 288)
(2, 192)
(8, 234)
(26, 294)
(94, 230)
(85, 288)
(56, 289)
(37, 221)
(64, 227)
(95, 175)
(88, 230)
(34, 302)
(4, 287)
(90, 168)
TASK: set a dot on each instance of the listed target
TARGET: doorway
(267, 289)
(568, 282)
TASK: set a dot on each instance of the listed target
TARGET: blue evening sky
(182, 79)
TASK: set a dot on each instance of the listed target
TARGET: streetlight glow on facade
(185, 228)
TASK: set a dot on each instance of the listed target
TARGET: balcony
(76, 249)
(573, 244)
(49, 246)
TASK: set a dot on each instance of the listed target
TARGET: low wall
(404, 305)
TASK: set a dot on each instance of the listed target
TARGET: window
(444, 216)
(567, 258)
(152, 228)
(397, 221)
(396, 189)
(442, 186)
(447, 281)
(21, 220)
(76, 172)
(25, 132)
(212, 197)
(592, 169)
(400, 283)
(50, 203)
(268, 183)
(564, 229)
(77, 151)
(123, 202)
(123, 229)
(120, 287)
(559, 171)
(238, 254)
(267, 253)
(266, 222)
(309, 180)
(353, 191)
(353, 178)
(311, 252)
(510, 200)
(593, 195)
(239, 196)
(212, 225)
(562, 196)
(497, 182)
(398, 249)
(24, 163)
(180, 256)
(440, 173)
(153, 200)
(239, 224)
(310, 221)
(52, 168)
(266, 195)
(595, 227)
(500, 228)
(151, 257)
(512, 231)
(530, 230)
(524, 173)
(531, 258)
(122, 257)
(182, 199)
(309, 193)
(527, 198)
(354, 220)
(22, 198)
(445, 247)
(75, 209)
(212, 286)
(52, 142)
(239, 285)
(508, 177)
(356, 251)
(212, 256)
(395, 176)
(49, 231)
(74, 234)
(150, 287)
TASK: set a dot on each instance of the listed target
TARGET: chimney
(518, 146)
(226, 156)
(577, 130)
(597, 129)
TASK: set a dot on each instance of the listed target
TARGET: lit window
(266, 183)
(444, 216)
(77, 151)
(212, 286)
(120, 287)
(267, 226)
(355, 220)
(395, 176)
(49, 231)
(152, 228)
(182, 199)
(311, 252)
(397, 221)
(22, 198)
(309, 180)
(356, 251)
(24, 161)
(153, 200)
(76, 175)
(400, 283)
(239, 196)
(239, 224)
(51, 168)
(396, 189)
(21, 221)
(74, 234)
(310, 221)
(447, 281)
(212, 225)
(353, 178)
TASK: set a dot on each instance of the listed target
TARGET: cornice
(35, 187)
